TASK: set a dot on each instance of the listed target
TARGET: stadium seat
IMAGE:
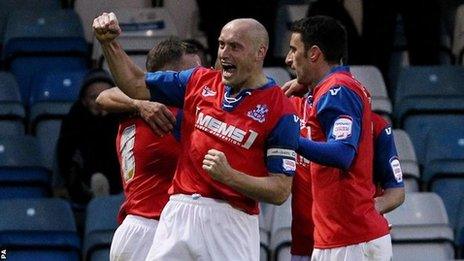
(279, 74)
(419, 126)
(89, 9)
(408, 160)
(372, 79)
(100, 226)
(444, 167)
(12, 112)
(286, 14)
(281, 234)
(460, 230)
(8, 6)
(188, 27)
(266, 213)
(47, 133)
(420, 229)
(53, 94)
(355, 9)
(39, 41)
(429, 90)
(38, 229)
(22, 173)
(142, 29)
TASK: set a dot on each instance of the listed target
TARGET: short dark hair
(325, 32)
(169, 51)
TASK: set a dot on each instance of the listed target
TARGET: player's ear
(262, 50)
(314, 52)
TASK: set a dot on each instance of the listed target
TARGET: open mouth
(228, 69)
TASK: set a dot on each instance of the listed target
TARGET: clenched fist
(106, 27)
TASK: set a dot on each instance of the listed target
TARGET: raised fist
(106, 27)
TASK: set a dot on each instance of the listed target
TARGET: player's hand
(157, 115)
(293, 88)
(216, 165)
(106, 27)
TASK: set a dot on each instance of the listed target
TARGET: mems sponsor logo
(225, 131)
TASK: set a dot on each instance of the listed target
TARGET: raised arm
(127, 75)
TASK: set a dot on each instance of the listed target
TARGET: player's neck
(252, 83)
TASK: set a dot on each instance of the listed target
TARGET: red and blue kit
(387, 168)
(343, 204)
(148, 163)
(302, 221)
(257, 129)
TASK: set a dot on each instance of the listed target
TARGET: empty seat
(444, 167)
(100, 225)
(39, 41)
(419, 126)
(429, 90)
(373, 80)
(53, 94)
(279, 74)
(408, 160)
(281, 233)
(420, 229)
(8, 6)
(11, 108)
(89, 9)
(142, 29)
(38, 229)
(286, 15)
(22, 173)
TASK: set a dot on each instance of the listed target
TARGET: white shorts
(133, 238)
(379, 249)
(198, 228)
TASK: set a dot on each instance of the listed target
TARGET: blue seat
(418, 127)
(38, 229)
(39, 41)
(22, 173)
(429, 89)
(53, 94)
(8, 6)
(12, 112)
(100, 225)
(444, 167)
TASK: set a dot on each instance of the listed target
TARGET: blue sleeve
(281, 145)
(168, 87)
(331, 153)
(387, 168)
(176, 130)
(340, 113)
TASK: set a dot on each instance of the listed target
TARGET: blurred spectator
(421, 19)
(87, 158)
(335, 9)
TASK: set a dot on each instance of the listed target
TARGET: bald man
(238, 139)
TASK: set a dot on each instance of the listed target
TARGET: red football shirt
(148, 164)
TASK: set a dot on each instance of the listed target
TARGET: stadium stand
(281, 234)
(420, 229)
(37, 41)
(38, 229)
(279, 74)
(22, 170)
(12, 112)
(286, 14)
(372, 79)
(408, 160)
(142, 29)
(444, 167)
(100, 226)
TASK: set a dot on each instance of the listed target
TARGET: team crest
(259, 113)
(207, 92)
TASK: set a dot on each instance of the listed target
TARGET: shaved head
(252, 28)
